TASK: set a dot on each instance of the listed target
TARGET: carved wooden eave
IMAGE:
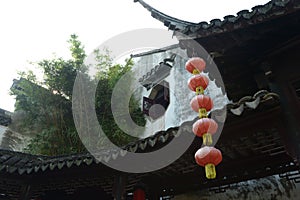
(243, 145)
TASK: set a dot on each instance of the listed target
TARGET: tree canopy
(46, 106)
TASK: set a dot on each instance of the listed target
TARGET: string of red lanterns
(204, 127)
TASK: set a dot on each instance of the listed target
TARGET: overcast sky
(33, 29)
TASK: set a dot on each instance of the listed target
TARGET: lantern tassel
(207, 139)
(210, 171)
(195, 72)
(202, 113)
(199, 90)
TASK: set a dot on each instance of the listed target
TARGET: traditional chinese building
(257, 55)
(5, 117)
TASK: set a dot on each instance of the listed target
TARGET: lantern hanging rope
(205, 127)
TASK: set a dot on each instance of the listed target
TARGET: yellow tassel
(202, 113)
(199, 90)
(207, 139)
(210, 171)
(195, 72)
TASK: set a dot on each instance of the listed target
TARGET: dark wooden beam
(277, 50)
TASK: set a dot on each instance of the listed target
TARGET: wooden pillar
(278, 83)
(119, 187)
(25, 192)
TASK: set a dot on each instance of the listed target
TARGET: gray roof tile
(259, 13)
(16, 162)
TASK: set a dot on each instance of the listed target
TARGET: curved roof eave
(261, 13)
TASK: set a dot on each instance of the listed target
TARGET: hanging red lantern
(195, 65)
(205, 128)
(198, 83)
(209, 157)
(202, 104)
(139, 194)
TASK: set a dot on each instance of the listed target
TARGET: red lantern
(208, 157)
(202, 104)
(139, 194)
(195, 65)
(205, 128)
(198, 83)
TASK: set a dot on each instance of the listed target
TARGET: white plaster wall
(12, 140)
(179, 109)
(2, 131)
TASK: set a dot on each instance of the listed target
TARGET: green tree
(108, 75)
(47, 105)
